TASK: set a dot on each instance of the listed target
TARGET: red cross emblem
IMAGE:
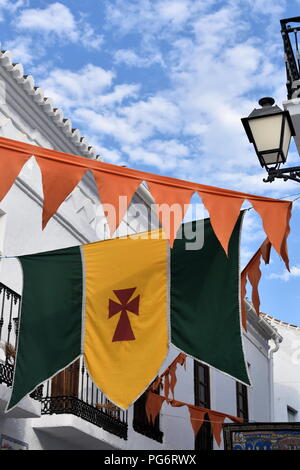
(123, 330)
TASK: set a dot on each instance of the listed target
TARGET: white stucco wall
(287, 373)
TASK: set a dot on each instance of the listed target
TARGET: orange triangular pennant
(180, 359)
(284, 248)
(197, 417)
(116, 192)
(172, 204)
(167, 384)
(216, 420)
(173, 378)
(252, 271)
(59, 180)
(275, 216)
(254, 275)
(11, 163)
(153, 405)
(224, 212)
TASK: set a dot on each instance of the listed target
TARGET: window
(204, 440)
(141, 423)
(242, 401)
(292, 414)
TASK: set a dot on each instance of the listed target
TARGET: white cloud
(119, 93)
(153, 17)
(70, 89)
(165, 155)
(108, 124)
(286, 275)
(58, 19)
(267, 7)
(55, 18)
(174, 11)
(132, 124)
(6, 6)
(13, 6)
(130, 58)
(22, 49)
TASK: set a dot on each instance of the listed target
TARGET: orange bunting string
(223, 204)
(197, 414)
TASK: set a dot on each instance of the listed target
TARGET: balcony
(70, 394)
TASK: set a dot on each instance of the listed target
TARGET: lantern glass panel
(272, 158)
(266, 131)
(286, 138)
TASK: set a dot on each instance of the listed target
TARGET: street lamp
(269, 129)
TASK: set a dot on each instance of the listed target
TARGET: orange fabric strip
(153, 405)
(252, 271)
(265, 250)
(11, 163)
(59, 180)
(172, 204)
(284, 249)
(167, 385)
(169, 376)
(272, 211)
(224, 212)
(111, 188)
(254, 275)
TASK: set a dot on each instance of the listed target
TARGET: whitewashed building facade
(286, 372)
(64, 415)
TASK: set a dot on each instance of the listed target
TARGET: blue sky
(161, 86)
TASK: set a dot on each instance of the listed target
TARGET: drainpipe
(277, 340)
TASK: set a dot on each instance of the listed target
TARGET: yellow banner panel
(127, 309)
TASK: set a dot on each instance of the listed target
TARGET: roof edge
(46, 104)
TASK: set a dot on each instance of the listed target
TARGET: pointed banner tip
(56, 187)
(45, 220)
(172, 203)
(224, 212)
(116, 193)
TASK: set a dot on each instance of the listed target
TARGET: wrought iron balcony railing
(71, 391)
